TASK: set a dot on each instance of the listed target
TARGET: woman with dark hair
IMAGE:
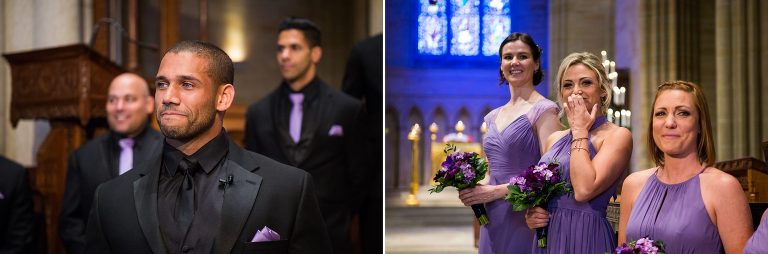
(593, 155)
(514, 141)
(684, 202)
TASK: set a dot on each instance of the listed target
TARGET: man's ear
(224, 97)
(317, 53)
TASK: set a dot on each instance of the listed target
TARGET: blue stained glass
(496, 7)
(465, 25)
(466, 35)
(495, 29)
(465, 7)
(432, 28)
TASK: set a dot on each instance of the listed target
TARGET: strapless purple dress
(674, 214)
(577, 227)
(758, 243)
(510, 151)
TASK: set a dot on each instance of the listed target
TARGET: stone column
(742, 87)
(577, 26)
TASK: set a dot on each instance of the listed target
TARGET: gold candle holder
(413, 136)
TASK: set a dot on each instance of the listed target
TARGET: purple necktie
(126, 154)
(294, 127)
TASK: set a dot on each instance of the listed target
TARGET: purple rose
(624, 249)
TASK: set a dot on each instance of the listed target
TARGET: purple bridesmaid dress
(510, 151)
(758, 243)
(674, 214)
(577, 227)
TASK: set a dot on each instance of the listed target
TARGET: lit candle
(622, 95)
(629, 119)
(604, 54)
(613, 74)
(616, 95)
(617, 118)
(610, 115)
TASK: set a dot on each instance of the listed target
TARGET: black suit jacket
(16, 210)
(90, 165)
(263, 193)
(335, 162)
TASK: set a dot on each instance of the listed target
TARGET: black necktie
(186, 198)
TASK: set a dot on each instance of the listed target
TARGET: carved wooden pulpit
(67, 86)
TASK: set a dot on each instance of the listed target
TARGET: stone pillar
(675, 43)
(741, 82)
(578, 26)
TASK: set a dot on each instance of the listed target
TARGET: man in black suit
(201, 193)
(130, 140)
(306, 124)
(16, 210)
(363, 79)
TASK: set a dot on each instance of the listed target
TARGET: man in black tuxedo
(16, 210)
(130, 140)
(201, 193)
(363, 79)
(306, 124)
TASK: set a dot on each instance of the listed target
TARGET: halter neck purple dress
(510, 151)
(577, 227)
(758, 243)
(674, 214)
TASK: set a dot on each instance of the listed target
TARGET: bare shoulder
(637, 179)
(557, 135)
(619, 133)
(719, 180)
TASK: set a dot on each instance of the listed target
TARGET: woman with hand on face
(684, 202)
(593, 154)
(513, 142)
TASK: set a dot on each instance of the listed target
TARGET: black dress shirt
(311, 91)
(209, 196)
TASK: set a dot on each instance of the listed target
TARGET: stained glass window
(496, 25)
(432, 28)
(465, 25)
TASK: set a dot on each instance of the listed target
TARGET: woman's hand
(481, 194)
(536, 217)
(579, 118)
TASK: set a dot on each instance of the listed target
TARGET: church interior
(442, 79)
(59, 57)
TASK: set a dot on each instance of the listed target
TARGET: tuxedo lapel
(316, 115)
(145, 196)
(108, 157)
(239, 198)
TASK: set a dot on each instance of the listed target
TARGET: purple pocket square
(265, 235)
(336, 130)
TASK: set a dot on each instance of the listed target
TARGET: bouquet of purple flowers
(534, 187)
(462, 170)
(642, 246)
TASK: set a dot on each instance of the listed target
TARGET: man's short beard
(194, 129)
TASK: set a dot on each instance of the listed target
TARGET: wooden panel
(752, 174)
(169, 24)
(59, 83)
